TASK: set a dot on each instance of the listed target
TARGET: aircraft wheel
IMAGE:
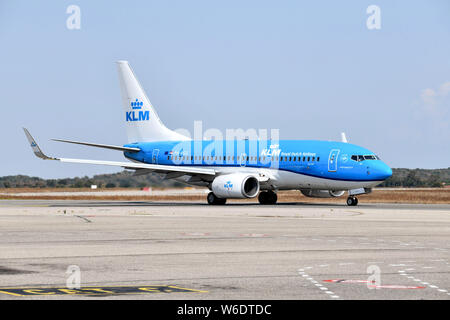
(352, 201)
(262, 197)
(214, 200)
(267, 197)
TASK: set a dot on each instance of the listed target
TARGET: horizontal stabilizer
(98, 145)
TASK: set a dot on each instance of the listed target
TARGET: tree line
(125, 179)
(418, 178)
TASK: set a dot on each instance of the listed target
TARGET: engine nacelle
(322, 193)
(236, 185)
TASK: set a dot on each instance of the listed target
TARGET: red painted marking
(346, 281)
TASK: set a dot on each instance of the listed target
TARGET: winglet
(37, 151)
(343, 137)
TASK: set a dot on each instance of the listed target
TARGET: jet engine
(322, 193)
(236, 185)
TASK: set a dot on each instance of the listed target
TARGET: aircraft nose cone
(385, 171)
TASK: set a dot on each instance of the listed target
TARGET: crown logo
(137, 104)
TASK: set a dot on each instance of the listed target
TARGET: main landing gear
(213, 199)
(352, 201)
(267, 197)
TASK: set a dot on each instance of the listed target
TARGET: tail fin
(141, 120)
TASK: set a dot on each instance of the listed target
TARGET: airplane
(235, 169)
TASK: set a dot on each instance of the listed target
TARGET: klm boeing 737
(235, 168)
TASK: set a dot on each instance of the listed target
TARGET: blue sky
(311, 69)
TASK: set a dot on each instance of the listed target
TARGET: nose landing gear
(352, 201)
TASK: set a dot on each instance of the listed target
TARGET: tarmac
(190, 250)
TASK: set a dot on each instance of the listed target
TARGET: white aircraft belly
(287, 180)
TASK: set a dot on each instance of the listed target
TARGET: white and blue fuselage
(292, 164)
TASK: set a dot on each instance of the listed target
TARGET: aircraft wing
(98, 145)
(127, 165)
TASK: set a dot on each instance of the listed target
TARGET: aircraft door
(155, 156)
(332, 160)
(243, 160)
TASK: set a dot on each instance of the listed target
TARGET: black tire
(267, 197)
(263, 197)
(352, 201)
(214, 200)
(272, 197)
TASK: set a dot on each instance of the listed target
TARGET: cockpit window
(365, 157)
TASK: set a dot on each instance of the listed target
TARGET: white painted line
(438, 260)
